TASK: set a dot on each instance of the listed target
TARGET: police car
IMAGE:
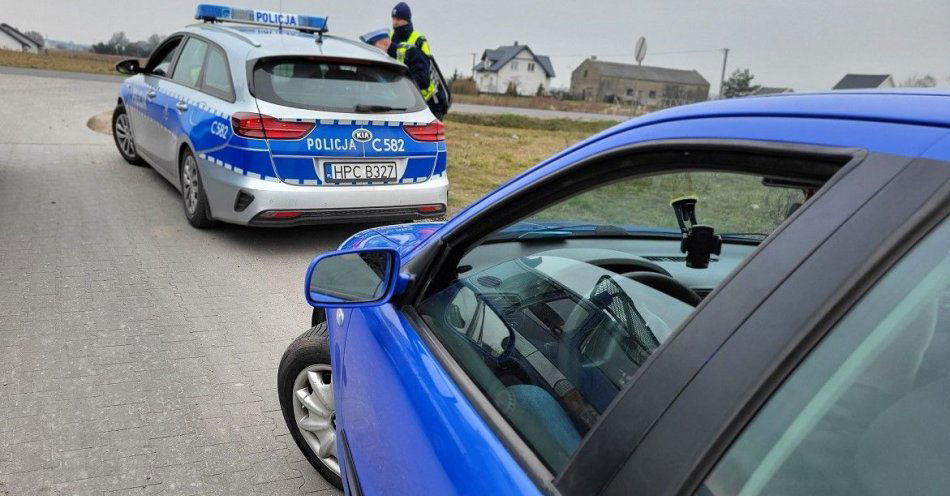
(261, 118)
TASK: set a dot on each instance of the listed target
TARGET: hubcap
(315, 413)
(123, 135)
(189, 184)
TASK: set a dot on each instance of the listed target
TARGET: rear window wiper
(363, 107)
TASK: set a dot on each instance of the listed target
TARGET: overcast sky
(804, 44)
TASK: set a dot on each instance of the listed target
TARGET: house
(514, 66)
(12, 39)
(862, 81)
(768, 90)
(601, 81)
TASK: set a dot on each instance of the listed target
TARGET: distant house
(12, 39)
(513, 66)
(602, 81)
(862, 81)
(768, 90)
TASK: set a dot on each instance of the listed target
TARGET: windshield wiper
(363, 107)
(759, 236)
(564, 231)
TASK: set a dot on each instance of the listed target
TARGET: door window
(866, 413)
(188, 68)
(217, 75)
(550, 336)
(160, 62)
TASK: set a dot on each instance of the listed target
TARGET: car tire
(122, 136)
(194, 200)
(304, 389)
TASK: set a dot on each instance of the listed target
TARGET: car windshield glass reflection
(351, 277)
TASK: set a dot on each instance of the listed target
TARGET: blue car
(746, 296)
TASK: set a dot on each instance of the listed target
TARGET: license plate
(350, 172)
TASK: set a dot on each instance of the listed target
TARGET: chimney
(516, 43)
(593, 57)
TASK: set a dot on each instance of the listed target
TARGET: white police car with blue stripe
(261, 118)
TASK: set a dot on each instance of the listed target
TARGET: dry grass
(544, 102)
(482, 157)
(62, 61)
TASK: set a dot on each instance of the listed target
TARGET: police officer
(403, 31)
(419, 65)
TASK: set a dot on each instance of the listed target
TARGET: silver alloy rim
(123, 134)
(315, 412)
(189, 184)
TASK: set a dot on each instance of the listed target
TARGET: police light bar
(220, 13)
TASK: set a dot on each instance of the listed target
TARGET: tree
(739, 84)
(915, 81)
(36, 36)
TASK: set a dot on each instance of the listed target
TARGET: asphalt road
(137, 354)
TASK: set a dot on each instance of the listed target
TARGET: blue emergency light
(220, 13)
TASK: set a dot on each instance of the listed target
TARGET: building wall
(515, 71)
(8, 42)
(588, 83)
(585, 81)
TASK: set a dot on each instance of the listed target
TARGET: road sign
(641, 50)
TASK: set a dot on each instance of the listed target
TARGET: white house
(12, 39)
(513, 65)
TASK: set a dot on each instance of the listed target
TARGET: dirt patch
(101, 122)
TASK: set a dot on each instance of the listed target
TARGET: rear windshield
(317, 84)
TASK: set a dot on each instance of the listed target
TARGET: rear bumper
(325, 204)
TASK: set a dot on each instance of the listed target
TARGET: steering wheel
(666, 285)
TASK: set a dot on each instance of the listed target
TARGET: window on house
(530, 66)
(653, 94)
(629, 91)
(585, 72)
(514, 65)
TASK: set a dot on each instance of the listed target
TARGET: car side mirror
(129, 67)
(352, 278)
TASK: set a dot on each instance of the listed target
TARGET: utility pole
(473, 66)
(722, 79)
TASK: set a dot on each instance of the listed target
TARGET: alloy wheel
(123, 135)
(189, 184)
(315, 413)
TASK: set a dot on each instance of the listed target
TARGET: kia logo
(362, 135)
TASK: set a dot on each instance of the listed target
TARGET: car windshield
(316, 84)
(738, 206)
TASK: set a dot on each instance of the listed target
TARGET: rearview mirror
(352, 278)
(129, 67)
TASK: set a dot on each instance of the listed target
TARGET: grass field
(62, 61)
(544, 102)
(484, 151)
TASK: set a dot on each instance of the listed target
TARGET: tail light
(251, 125)
(433, 131)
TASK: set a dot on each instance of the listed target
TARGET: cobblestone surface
(137, 354)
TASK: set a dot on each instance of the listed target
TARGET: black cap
(401, 11)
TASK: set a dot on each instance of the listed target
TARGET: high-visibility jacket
(415, 38)
(401, 49)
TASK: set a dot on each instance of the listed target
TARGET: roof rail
(222, 29)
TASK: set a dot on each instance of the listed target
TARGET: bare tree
(915, 81)
(36, 36)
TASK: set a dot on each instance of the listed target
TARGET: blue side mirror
(352, 278)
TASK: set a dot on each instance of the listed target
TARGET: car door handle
(181, 106)
(151, 94)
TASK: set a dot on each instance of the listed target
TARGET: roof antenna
(326, 20)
